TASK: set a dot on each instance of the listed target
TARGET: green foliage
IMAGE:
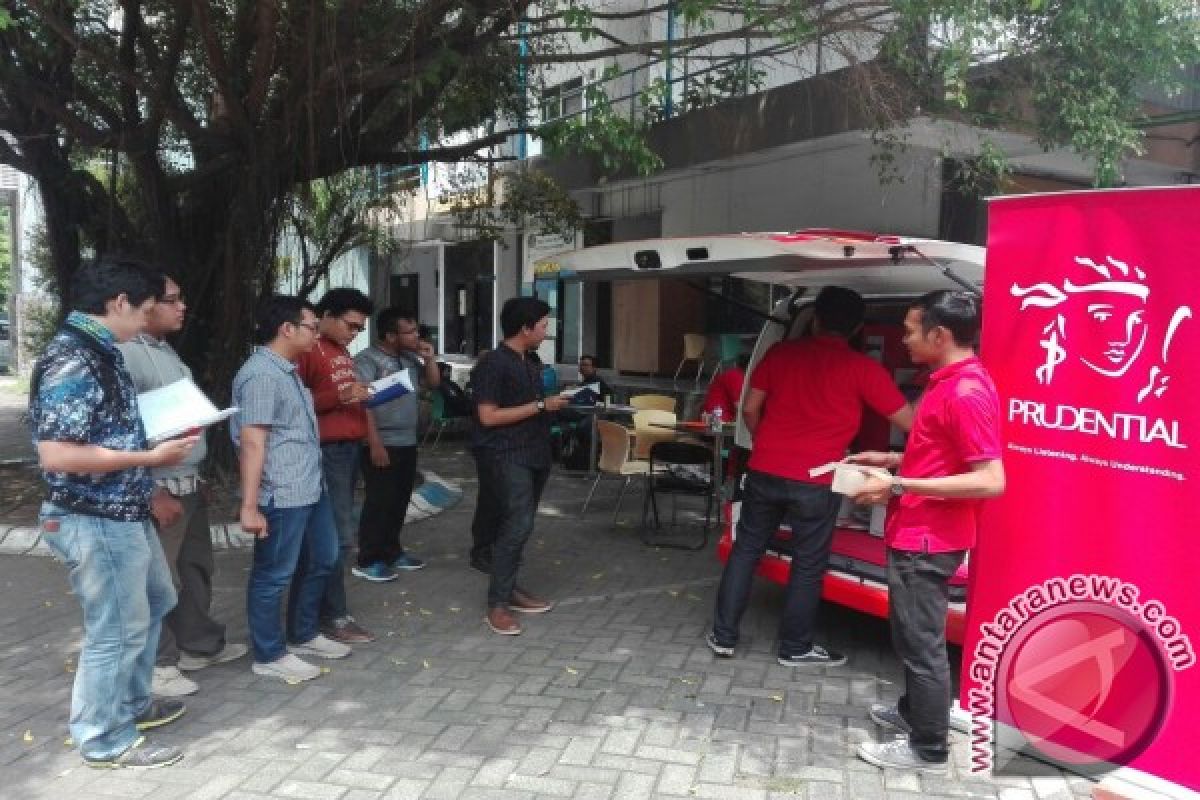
(1070, 71)
(6, 253)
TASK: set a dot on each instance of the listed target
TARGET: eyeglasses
(357, 327)
(408, 332)
(312, 326)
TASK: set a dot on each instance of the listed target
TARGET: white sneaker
(288, 668)
(170, 682)
(321, 647)
(230, 652)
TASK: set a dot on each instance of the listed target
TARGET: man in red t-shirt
(328, 372)
(725, 391)
(951, 462)
(804, 406)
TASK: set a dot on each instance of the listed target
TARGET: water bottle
(715, 420)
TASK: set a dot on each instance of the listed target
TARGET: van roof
(873, 264)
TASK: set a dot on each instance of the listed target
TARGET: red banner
(1083, 613)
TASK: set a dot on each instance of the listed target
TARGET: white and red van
(889, 271)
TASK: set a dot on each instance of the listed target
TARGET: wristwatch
(541, 405)
(897, 487)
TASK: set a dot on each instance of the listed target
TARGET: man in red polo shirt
(951, 462)
(804, 406)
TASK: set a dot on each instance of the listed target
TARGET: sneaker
(139, 755)
(288, 668)
(889, 717)
(321, 647)
(170, 682)
(378, 572)
(161, 711)
(407, 563)
(719, 650)
(898, 754)
(527, 603)
(230, 652)
(816, 656)
(502, 622)
(347, 631)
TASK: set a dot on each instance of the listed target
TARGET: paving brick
(613, 695)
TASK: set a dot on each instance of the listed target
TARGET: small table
(718, 442)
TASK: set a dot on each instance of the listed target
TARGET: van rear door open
(887, 270)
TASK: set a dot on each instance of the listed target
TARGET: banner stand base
(1122, 783)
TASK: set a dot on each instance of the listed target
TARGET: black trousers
(918, 596)
(388, 490)
(504, 515)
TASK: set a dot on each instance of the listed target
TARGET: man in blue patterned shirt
(96, 519)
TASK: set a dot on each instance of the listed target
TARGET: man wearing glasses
(390, 460)
(190, 639)
(284, 505)
(328, 372)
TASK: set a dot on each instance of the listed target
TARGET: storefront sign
(1083, 613)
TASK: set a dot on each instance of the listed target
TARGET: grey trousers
(187, 546)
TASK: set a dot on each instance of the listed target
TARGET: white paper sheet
(177, 408)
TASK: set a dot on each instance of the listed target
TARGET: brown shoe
(502, 622)
(347, 631)
(527, 603)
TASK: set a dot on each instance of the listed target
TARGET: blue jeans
(119, 574)
(339, 462)
(514, 491)
(300, 548)
(811, 511)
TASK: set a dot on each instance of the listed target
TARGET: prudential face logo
(1101, 321)
(1106, 336)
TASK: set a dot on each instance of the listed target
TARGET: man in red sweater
(328, 372)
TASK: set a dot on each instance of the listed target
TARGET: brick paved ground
(613, 695)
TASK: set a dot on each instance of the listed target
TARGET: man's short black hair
(276, 310)
(521, 312)
(103, 279)
(336, 302)
(385, 320)
(839, 310)
(586, 357)
(957, 311)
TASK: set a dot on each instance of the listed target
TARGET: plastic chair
(437, 418)
(645, 432)
(729, 347)
(656, 402)
(614, 460)
(694, 345)
(661, 480)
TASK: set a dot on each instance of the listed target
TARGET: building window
(563, 100)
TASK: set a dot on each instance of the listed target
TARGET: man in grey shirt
(284, 501)
(390, 460)
(190, 639)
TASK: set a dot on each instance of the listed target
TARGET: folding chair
(662, 480)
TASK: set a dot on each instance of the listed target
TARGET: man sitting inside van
(804, 406)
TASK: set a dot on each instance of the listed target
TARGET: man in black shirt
(510, 440)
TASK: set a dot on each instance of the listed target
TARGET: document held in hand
(175, 409)
(390, 387)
